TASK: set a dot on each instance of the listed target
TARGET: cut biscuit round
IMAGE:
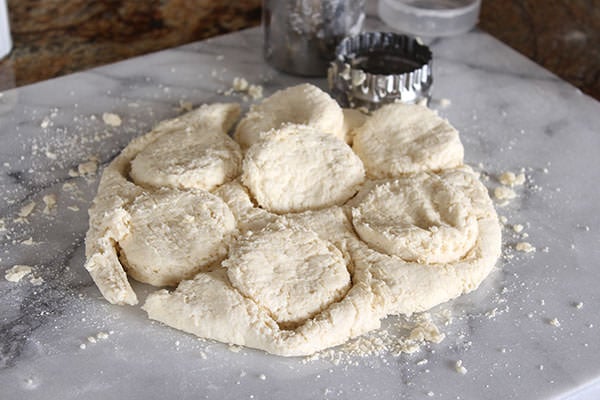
(400, 139)
(417, 286)
(419, 218)
(175, 234)
(290, 271)
(303, 104)
(298, 168)
(193, 157)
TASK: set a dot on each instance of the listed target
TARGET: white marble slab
(511, 114)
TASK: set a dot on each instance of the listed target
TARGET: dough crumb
(185, 106)
(36, 280)
(255, 91)
(27, 242)
(82, 346)
(554, 322)
(525, 247)
(511, 179)
(50, 203)
(239, 84)
(460, 368)
(234, 349)
(579, 305)
(91, 339)
(517, 228)
(102, 335)
(111, 119)
(504, 193)
(26, 210)
(17, 272)
(262, 377)
(88, 168)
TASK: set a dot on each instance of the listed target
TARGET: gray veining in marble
(511, 114)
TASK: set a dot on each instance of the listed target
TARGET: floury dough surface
(402, 139)
(294, 252)
(110, 214)
(174, 234)
(196, 154)
(298, 168)
(302, 104)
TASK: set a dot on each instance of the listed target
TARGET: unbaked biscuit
(400, 139)
(297, 168)
(174, 234)
(303, 104)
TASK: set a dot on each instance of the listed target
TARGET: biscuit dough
(303, 104)
(174, 234)
(196, 154)
(418, 218)
(292, 272)
(294, 251)
(418, 286)
(210, 306)
(109, 215)
(402, 139)
(297, 168)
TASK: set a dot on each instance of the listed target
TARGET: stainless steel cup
(301, 35)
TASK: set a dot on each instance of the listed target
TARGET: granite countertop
(52, 39)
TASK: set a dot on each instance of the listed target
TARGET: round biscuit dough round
(291, 272)
(193, 157)
(400, 139)
(415, 287)
(303, 104)
(419, 218)
(298, 168)
(175, 234)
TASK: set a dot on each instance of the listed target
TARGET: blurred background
(56, 37)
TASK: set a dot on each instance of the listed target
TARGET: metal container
(300, 36)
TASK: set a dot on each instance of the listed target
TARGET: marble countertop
(60, 339)
(52, 39)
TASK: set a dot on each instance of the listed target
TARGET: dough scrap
(109, 218)
(418, 218)
(196, 153)
(402, 139)
(174, 234)
(303, 104)
(297, 168)
(291, 272)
